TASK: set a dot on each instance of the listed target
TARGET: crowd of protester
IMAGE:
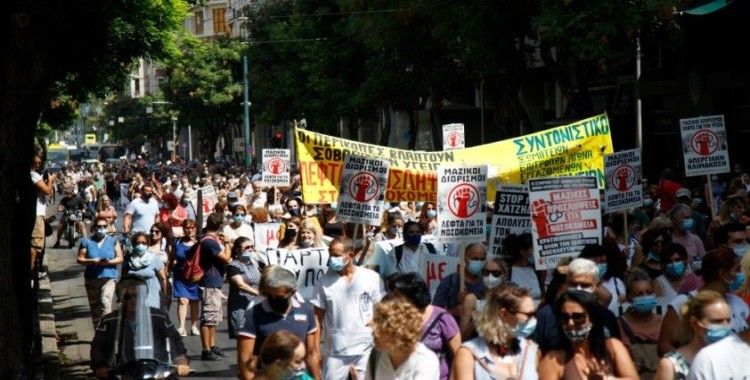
(663, 296)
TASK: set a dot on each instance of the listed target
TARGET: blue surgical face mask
(140, 249)
(413, 239)
(475, 266)
(687, 224)
(741, 249)
(715, 333)
(431, 213)
(525, 329)
(530, 259)
(247, 255)
(602, 268)
(644, 304)
(736, 284)
(239, 218)
(647, 202)
(336, 264)
(675, 269)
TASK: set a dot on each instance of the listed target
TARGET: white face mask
(491, 281)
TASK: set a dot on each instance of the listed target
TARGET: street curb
(50, 368)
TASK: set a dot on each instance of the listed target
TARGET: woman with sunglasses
(158, 244)
(185, 292)
(502, 350)
(148, 266)
(653, 241)
(244, 277)
(589, 352)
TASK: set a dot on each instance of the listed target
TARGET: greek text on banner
(569, 150)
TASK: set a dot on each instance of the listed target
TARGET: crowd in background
(663, 296)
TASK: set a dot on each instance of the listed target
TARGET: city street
(75, 329)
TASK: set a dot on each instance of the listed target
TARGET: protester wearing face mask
(720, 273)
(344, 300)
(682, 218)
(428, 216)
(640, 325)
(439, 331)
(281, 357)
(503, 348)
(100, 254)
(141, 212)
(733, 236)
(294, 207)
(309, 236)
(520, 249)
(730, 211)
(391, 228)
(237, 227)
(653, 241)
(149, 267)
(243, 274)
(589, 352)
(677, 278)
(279, 310)
(581, 274)
(704, 321)
(404, 258)
(289, 233)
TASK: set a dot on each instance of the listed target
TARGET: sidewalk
(72, 318)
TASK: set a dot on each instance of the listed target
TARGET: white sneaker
(196, 331)
(182, 331)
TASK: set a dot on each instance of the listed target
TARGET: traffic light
(278, 140)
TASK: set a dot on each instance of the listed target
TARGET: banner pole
(710, 196)
(625, 231)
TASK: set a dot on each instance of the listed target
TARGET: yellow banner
(573, 149)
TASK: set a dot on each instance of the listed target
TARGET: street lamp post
(174, 137)
(245, 113)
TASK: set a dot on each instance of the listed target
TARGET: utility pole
(245, 113)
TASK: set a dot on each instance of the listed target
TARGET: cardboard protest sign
(573, 149)
(462, 192)
(309, 265)
(267, 236)
(276, 167)
(624, 190)
(362, 191)
(565, 217)
(435, 268)
(210, 199)
(510, 216)
(453, 136)
(704, 145)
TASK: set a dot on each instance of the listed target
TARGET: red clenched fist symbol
(703, 141)
(275, 167)
(622, 179)
(462, 198)
(363, 183)
(539, 217)
(452, 139)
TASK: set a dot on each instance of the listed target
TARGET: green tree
(81, 46)
(204, 83)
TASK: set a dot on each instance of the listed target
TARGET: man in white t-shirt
(344, 302)
(44, 188)
(142, 212)
(405, 258)
(725, 359)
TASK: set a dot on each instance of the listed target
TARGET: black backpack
(400, 252)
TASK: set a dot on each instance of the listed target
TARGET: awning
(707, 8)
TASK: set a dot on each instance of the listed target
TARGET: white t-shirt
(144, 214)
(409, 260)
(41, 200)
(349, 308)
(725, 359)
(422, 364)
(245, 230)
(616, 287)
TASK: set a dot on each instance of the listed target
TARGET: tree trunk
(23, 87)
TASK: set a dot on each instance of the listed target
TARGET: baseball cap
(683, 192)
